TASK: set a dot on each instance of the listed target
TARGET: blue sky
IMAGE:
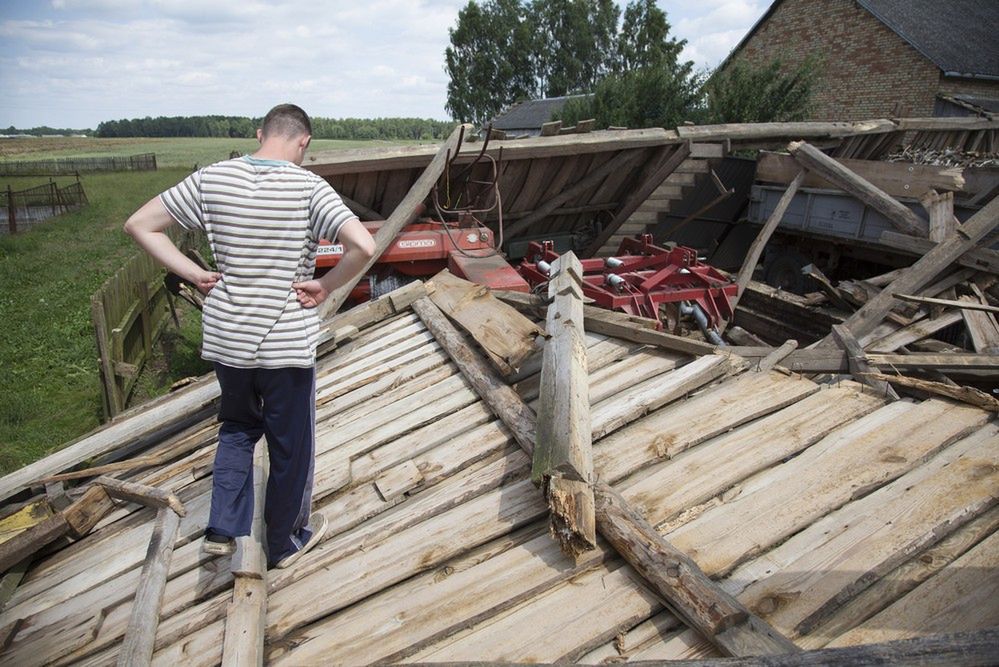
(74, 63)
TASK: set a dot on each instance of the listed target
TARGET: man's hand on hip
(310, 293)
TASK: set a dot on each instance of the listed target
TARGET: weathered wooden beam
(140, 493)
(22, 545)
(623, 160)
(563, 455)
(964, 394)
(760, 242)
(137, 647)
(818, 162)
(768, 362)
(667, 162)
(894, 178)
(940, 208)
(924, 270)
(403, 214)
(610, 323)
(833, 360)
(857, 361)
(948, 303)
(979, 259)
(779, 131)
(646, 548)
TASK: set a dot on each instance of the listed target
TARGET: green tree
(574, 44)
(744, 93)
(489, 60)
(644, 39)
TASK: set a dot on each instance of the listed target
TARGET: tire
(783, 270)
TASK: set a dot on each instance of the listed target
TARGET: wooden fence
(129, 313)
(24, 208)
(143, 162)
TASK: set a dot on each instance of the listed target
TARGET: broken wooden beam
(142, 494)
(818, 162)
(778, 355)
(750, 635)
(759, 243)
(137, 647)
(857, 362)
(940, 208)
(403, 214)
(968, 395)
(924, 270)
(894, 178)
(563, 455)
(949, 303)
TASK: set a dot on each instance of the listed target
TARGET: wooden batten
(563, 457)
(137, 648)
(141, 493)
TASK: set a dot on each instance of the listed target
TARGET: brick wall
(867, 71)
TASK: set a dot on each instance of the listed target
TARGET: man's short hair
(286, 120)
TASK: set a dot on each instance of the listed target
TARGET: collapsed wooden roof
(837, 516)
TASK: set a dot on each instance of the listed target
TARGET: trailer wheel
(783, 270)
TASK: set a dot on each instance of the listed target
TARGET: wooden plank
(551, 129)
(781, 131)
(505, 334)
(948, 303)
(911, 333)
(817, 162)
(924, 270)
(68, 636)
(868, 538)
(940, 208)
(656, 392)
(900, 581)
(968, 395)
(958, 598)
(137, 647)
(759, 243)
(29, 541)
(981, 324)
(246, 615)
(401, 216)
(822, 478)
(563, 457)
(141, 494)
(397, 480)
(610, 323)
(771, 360)
(894, 178)
(27, 516)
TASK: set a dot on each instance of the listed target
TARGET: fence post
(11, 222)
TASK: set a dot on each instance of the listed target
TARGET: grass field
(50, 391)
(170, 152)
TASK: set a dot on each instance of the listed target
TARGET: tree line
(45, 131)
(507, 51)
(242, 126)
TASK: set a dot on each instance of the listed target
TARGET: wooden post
(645, 547)
(140, 493)
(243, 642)
(11, 211)
(140, 637)
(816, 161)
(401, 216)
(941, 211)
(563, 456)
(923, 271)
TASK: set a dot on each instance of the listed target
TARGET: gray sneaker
(218, 545)
(318, 525)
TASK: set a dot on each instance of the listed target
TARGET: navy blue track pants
(280, 404)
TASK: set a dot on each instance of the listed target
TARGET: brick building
(885, 57)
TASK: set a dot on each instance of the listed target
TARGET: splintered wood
(563, 458)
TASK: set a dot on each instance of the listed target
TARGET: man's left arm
(148, 227)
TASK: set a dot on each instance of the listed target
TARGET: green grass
(50, 389)
(170, 152)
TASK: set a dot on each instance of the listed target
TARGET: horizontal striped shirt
(263, 220)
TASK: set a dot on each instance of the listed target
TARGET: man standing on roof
(263, 215)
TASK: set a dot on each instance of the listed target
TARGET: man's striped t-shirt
(263, 220)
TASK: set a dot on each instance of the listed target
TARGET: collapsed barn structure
(526, 477)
